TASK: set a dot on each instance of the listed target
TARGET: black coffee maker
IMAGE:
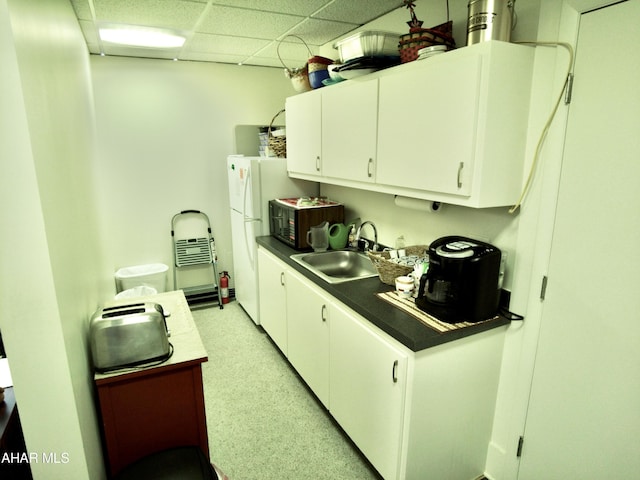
(462, 283)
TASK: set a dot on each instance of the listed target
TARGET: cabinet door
(308, 328)
(427, 126)
(367, 390)
(349, 128)
(304, 133)
(142, 415)
(273, 298)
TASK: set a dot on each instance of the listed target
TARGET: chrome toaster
(128, 335)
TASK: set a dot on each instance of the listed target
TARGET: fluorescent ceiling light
(140, 36)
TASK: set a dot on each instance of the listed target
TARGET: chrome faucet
(366, 243)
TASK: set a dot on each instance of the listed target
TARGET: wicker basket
(277, 145)
(388, 270)
(420, 38)
(299, 76)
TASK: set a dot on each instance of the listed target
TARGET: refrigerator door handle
(244, 200)
(247, 220)
(245, 189)
(248, 247)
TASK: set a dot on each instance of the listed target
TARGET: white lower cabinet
(273, 298)
(414, 415)
(368, 379)
(308, 333)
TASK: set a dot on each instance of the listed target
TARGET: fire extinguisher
(224, 286)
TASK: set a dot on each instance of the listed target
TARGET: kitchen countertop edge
(359, 295)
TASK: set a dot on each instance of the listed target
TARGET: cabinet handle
(460, 167)
(317, 163)
(282, 278)
(369, 164)
(394, 372)
(323, 313)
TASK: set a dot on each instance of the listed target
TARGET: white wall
(52, 274)
(494, 225)
(164, 131)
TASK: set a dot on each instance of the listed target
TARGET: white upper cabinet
(454, 126)
(304, 123)
(349, 128)
(428, 117)
(451, 128)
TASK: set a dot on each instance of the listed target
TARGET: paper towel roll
(417, 204)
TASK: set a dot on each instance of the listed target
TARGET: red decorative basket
(419, 38)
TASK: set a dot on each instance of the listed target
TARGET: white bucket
(153, 275)
(140, 291)
(490, 20)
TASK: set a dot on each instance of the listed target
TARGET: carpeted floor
(263, 422)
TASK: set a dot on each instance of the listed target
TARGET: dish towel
(408, 306)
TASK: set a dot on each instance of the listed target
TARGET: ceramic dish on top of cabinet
(355, 73)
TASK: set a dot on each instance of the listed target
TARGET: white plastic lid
(431, 49)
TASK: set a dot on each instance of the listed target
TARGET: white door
(304, 129)
(583, 419)
(368, 381)
(422, 137)
(238, 174)
(308, 333)
(349, 129)
(273, 298)
(244, 262)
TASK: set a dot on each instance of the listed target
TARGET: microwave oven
(291, 218)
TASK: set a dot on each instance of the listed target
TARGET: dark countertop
(359, 295)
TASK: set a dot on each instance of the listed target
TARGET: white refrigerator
(253, 181)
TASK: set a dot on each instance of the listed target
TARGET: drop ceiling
(251, 32)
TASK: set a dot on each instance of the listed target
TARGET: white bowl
(333, 75)
(357, 72)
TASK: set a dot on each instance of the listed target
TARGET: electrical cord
(138, 366)
(510, 315)
(547, 125)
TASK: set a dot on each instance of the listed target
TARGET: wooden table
(151, 409)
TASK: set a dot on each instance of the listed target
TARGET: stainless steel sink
(337, 266)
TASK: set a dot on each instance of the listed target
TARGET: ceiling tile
(89, 31)
(301, 8)
(248, 23)
(94, 48)
(266, 62)
(82, 9)
(112, 49)
(319, 32)
(212, 57)
(357, 11)
(176, 14)
(233, 31)
(293, 54)
(205, 43)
